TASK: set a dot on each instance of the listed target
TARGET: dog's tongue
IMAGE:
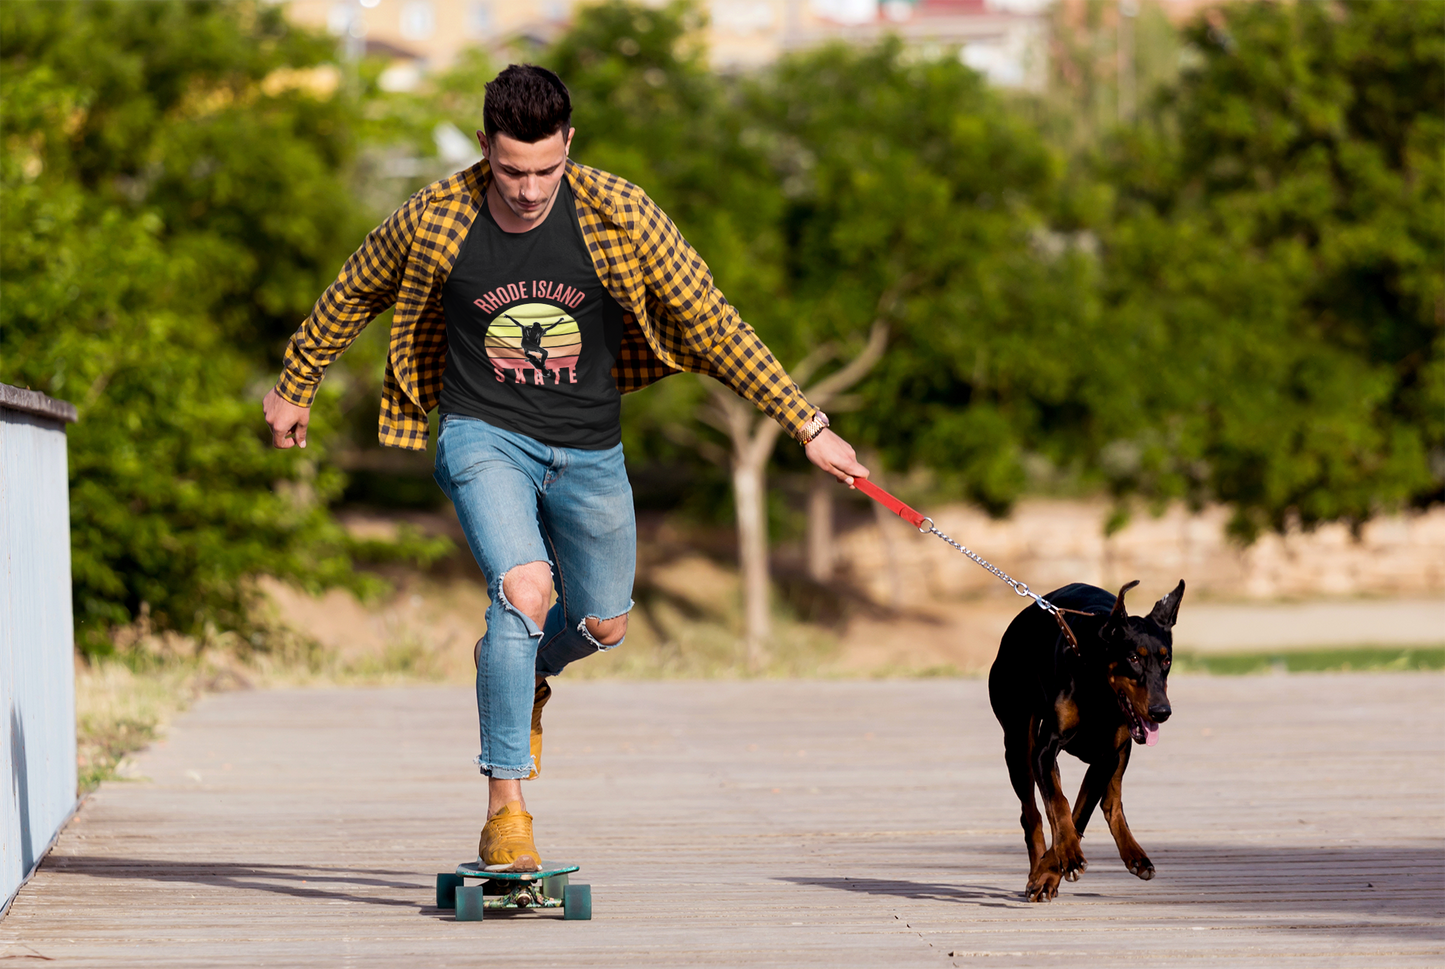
(1151, 733)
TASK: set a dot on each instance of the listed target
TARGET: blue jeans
(522, 501)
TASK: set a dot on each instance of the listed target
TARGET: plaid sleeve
(707, 334)
(366, 287)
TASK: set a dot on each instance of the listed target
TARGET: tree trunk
(753, 437)
(820, 526)
(750, 497)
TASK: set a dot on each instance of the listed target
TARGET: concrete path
(1294, 821)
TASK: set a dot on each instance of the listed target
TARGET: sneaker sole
(524, 863)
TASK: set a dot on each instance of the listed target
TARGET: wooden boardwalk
(1294, 820)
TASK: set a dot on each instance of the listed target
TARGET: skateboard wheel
(447, 885)
(576, 902)
(469, 904)
(554, 885)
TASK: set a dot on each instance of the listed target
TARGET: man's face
(526, 174)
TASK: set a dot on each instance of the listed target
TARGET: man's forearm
(745, 365)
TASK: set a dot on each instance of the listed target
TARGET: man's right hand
(288, 421)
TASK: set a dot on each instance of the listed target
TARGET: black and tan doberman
(1093, 701)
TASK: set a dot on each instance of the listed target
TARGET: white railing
(37, 634)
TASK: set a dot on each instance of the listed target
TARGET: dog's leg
(1134, 857)
(1065, 855)
(1016, 755)
(1096, 781)
(1067, 849)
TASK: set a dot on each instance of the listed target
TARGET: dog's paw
(1070, 862)
(1042, 893)
(1043, 884)
(1142, 867)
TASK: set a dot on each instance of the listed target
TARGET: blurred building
(1005, 40)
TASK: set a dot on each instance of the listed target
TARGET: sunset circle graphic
(532, 341)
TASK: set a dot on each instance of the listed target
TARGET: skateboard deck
(474, 869)
(547, 887)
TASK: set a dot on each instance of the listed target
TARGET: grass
(120, 709)
(1357, 658)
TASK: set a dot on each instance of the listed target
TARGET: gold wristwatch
(813, 428)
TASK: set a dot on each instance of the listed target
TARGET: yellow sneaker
(539, 700)
(507, 843)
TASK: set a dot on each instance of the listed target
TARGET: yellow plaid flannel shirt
(675, 317)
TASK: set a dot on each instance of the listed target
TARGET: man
(530, 293)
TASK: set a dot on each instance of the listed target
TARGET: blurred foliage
(914, 195)
(1236, 296)
(217, 119)
(170, 208)
(1275, 270)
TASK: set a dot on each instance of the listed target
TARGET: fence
(37, 671)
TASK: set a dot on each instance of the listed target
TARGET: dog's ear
(1166, 610)
(1115, 622)
(1119, 614)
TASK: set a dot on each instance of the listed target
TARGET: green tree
(1276, 272)
(172, 197)
(914, 191)
(220, 119)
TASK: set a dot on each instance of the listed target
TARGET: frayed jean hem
(503, 773)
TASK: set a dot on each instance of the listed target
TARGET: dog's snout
(1160, 712)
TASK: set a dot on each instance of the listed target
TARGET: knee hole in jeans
(528, 590)
(608, 632)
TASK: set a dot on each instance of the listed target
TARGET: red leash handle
(910, 515)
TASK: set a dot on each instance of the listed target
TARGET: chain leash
(917, 519)
(1021, 589)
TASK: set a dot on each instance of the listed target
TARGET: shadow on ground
(1384, 885)
(1398, 883)
(297, 881)
(913, 890)
(300, 881)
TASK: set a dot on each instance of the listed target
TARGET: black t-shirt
(532, 334)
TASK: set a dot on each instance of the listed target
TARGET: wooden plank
(1297, 820)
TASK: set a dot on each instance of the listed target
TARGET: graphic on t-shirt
(534, 343)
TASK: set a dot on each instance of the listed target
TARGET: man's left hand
(835, 456)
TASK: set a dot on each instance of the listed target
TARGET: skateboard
(548, 887)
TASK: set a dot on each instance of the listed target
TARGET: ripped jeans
(522, 501)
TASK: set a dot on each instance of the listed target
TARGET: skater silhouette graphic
(532, 334)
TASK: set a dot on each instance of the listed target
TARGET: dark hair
(528, 103)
